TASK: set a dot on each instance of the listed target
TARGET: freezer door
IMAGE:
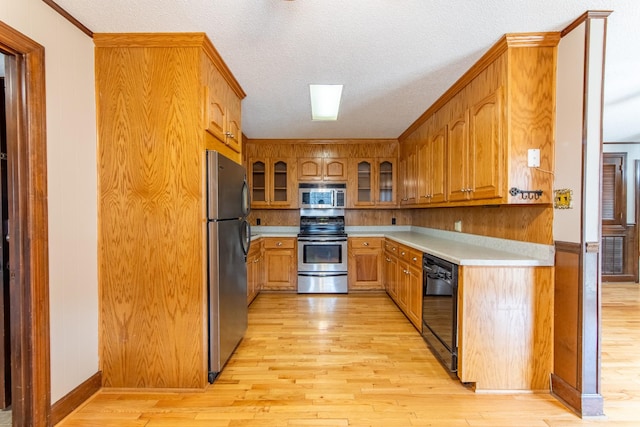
(226, 182)
(227, 291)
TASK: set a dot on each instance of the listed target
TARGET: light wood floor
(356, 361)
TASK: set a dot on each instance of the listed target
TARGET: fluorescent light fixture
(325, 101)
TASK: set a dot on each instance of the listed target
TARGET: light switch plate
(533, 157)
(458, 226)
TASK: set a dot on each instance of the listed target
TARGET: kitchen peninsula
(505, 299)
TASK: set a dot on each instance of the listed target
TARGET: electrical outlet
(258, 221)
(458, 225)
(393, 221)
(533, 157)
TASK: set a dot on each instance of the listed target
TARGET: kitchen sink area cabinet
(322, 169)
(280, 264)
(365, 263)
(272, 182)
(255, 270)
(372, 182)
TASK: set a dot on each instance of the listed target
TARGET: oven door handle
(320, 274)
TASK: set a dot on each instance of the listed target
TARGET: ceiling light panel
(325, 101)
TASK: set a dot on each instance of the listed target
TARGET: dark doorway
(5, 318)
(26, 172)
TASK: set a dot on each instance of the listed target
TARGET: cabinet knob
(415, 258)
(365, 244)
(402, 253)
(279, 244)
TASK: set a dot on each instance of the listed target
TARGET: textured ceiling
(394, 57)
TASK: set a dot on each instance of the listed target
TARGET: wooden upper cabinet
(458, 155)
(271, 182)
(502, 107)
(475, 149)
(223, 111)
(386, 185)
(322, 169)
(409, 173)
(372, 182)
(309, 169)
(335, 169)
(431, 166)
(486, 165)
(362, 183)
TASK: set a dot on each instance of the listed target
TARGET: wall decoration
(562, 198)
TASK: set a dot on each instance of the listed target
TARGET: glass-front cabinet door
(258, 182)
(386, 179)
(364, 195)
(372, 182)
(280, 189)
(270, 182)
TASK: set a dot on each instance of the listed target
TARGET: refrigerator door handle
(246, 200)
(245, 236)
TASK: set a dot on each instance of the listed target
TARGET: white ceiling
(394, 57)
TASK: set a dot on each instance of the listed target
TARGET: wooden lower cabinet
(255, 270)
(505, 327)
(365, 263)
(280, 264)
(390, 275)
(403, 279)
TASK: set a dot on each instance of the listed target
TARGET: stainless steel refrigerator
(229, 237)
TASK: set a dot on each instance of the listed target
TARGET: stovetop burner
(322, 225)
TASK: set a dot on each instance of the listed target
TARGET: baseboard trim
(75, 398)
(584, 405)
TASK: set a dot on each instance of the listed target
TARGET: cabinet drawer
(415, 258)
(365, 242)
(279, 243)
(391, 246)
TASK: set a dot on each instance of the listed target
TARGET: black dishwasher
(440, 309)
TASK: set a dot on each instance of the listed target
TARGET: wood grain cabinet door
(309, 169)
(365, 263)
(485, 148)
(458, 158)
(281, 266)
(334, 169)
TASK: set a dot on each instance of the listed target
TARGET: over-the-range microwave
(318, 195)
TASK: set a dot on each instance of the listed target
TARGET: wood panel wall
(523, 223)
(567, 320)
(151, 229)
(320, 148)
(369, 217)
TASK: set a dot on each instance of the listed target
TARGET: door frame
(27, 188)
(636, 261)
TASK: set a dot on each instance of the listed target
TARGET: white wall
(72, 189)
(568, 155)
(633, 154)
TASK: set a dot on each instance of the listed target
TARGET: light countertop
(459, 248)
